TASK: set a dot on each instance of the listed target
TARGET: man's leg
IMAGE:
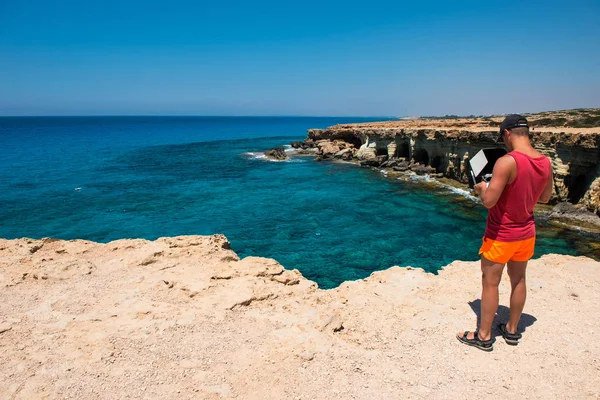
(491, 274)
(518, 294)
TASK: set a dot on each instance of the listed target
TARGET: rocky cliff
(443, 147)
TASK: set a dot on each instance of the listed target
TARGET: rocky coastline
(442, 148)
(184, 317)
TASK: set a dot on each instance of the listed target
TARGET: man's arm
(547, 193)
(503, 170)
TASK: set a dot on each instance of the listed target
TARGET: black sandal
(485, 345)
(510, 338)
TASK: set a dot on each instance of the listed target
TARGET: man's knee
(491, 279)
(516, 270)
(491, 276)
(491, 272)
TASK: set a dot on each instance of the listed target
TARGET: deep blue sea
(107, 178)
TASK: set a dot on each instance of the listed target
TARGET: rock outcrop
(277, 153)
(304, 148)
(185, 318)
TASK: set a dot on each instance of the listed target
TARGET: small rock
(276, 154)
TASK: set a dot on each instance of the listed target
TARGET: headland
(442, 147)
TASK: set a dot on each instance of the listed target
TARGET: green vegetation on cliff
(575, 118)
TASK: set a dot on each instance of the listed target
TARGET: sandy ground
(184, 318)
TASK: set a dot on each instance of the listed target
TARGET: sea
(109, 178)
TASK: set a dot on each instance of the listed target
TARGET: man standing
(520, 179)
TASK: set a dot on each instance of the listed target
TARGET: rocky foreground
(184, 317)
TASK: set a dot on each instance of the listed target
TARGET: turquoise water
(107, 178)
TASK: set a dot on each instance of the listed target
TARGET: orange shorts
(502, 252)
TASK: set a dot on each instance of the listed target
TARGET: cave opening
(438, 163)
(381, 151)
(578, 184)
(421, 156)
(402, 150)
(355, 140)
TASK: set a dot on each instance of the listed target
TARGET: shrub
(587, 122)
(550, 122)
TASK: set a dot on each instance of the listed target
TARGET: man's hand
(479, 188)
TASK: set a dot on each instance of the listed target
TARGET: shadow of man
(502, 315)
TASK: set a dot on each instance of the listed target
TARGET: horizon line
(197, 116)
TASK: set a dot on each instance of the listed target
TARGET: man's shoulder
(506, 161)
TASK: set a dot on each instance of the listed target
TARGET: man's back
(530, 151)
(511, 218)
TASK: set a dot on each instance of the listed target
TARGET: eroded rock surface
(277, 153)
(184, 317)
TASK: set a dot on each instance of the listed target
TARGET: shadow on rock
(502, 315)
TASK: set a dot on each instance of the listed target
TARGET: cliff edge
(184, 317)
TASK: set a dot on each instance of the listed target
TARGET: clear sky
(346, 58)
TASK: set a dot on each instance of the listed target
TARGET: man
(520, 179)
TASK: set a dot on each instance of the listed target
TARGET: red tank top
(511, 219)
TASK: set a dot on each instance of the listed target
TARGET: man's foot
(475, 341)
(510, 338)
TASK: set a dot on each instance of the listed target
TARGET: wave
(465, 193)
(259, 155)
(428, 178)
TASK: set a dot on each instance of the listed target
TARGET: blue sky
(346, 58)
